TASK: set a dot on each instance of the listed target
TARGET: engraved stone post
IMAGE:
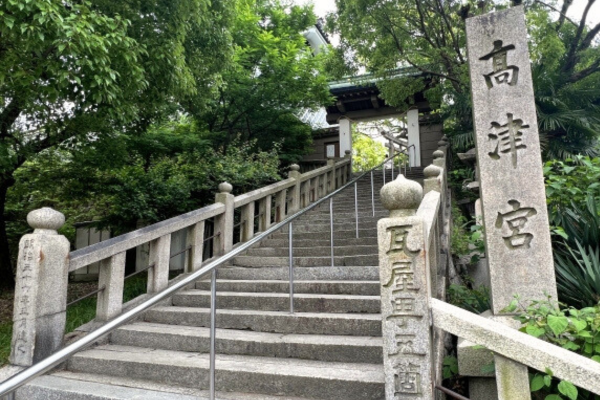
(224, 223)
(330, 176)
(405, 293)
(41, 289)
(510, 167)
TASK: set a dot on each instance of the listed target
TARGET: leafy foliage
(366, 152)
(573, 194)
(476, 300)
(577, 330)
(121, 180)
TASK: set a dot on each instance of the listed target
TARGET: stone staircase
(330, 348)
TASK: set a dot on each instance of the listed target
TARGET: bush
(577, 330)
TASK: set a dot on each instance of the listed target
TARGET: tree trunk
(7, 278)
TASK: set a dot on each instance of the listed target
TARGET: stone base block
(483, 389)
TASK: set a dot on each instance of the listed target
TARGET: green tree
(429, 36)
(274, 77)
(366, 152)
(65, 70)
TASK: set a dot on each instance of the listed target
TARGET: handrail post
(41, 289)
(295, 190)
(223, 241)
(372, 194)
(356, 206)
(213, 333)
(112, 278)
(291, 264)
(331, 230)
(405, 294)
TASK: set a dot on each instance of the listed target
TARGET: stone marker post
(41, 289)
(405, 293)
(512, 189)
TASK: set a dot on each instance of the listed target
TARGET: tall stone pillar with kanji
(517, 233)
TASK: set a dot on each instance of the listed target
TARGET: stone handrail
(45, 261)
(523, 348)
(108, 248)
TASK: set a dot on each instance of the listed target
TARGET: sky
(322, 7)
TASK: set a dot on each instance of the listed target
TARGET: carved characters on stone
(408, 378)
(23, 317)
(404, 316)
(508, 138)
(502, 73)
(514, 222)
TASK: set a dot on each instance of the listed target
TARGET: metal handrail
(18, 380)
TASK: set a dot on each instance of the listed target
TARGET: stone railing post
(348, 167)
(160, 256)
(223, 241)
(195, 239)
(111, 276)
(433, 179)
(330, 176)
(41, 289)
(295, 190)
(405, 294)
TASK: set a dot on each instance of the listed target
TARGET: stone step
(283, 242)
(324, 217)
(365, 288)
(271, 321)
(337, 234)
(255, 261)
(303, 302)
(169, 390)
(338, 273)
(61, 388)
(325, 226)
(355, 349)
(321, 250)
(266, 375)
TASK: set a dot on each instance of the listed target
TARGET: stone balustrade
(45, 261)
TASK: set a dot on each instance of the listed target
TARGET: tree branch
(595, 67)
(587, 41)
(572, 57)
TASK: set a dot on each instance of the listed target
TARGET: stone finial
(225, 187)
(294, 167)
(348, 152)
(432, 171)
(401, 195)
(438, 154)
(45, 220)
(442, 143)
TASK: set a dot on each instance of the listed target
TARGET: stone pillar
(223, 243)
(345, 135)
(433, 179)
(439, 159)
(519, 250)
(414, 137)
(347, 167)
(295, 190)
(405, 294)
(41, 289)
(330, 176)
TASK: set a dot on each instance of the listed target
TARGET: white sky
(322, 7)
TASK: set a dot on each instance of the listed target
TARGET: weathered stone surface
(41, 290)
(405, 308)
(400, 195)
(483, 389)
(508, 154)
(472, 358)
(509, 342)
